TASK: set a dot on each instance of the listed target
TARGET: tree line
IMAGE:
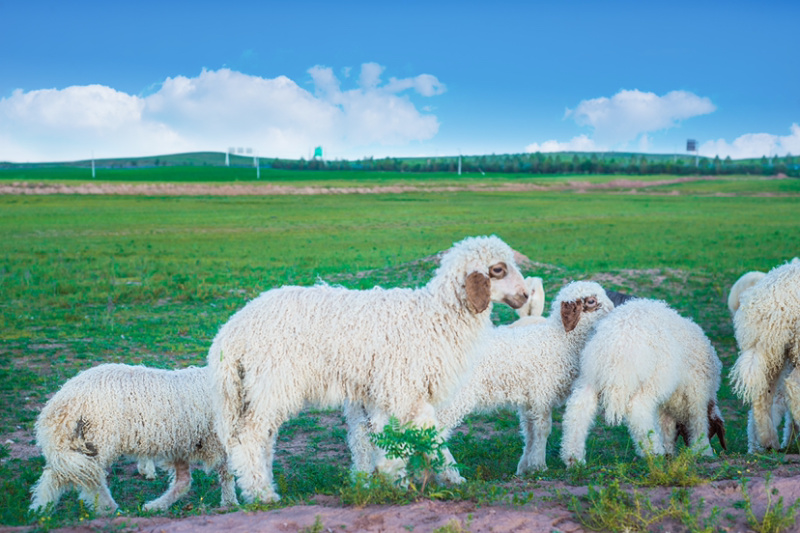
(557, 163)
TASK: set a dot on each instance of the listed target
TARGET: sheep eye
(591, 302)
(498, 271)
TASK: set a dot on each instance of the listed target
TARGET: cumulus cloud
(581, 143)
(627, 117)
(753, 145)
(215, 110)
(629, 114)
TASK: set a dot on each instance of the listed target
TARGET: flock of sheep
(428, 356)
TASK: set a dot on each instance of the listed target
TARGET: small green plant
(366, 489)
(612, 509)
(421, 449)
(453, 526)
(316, 527)
(678, 470)
(776, 517)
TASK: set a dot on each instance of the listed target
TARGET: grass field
(92, 279)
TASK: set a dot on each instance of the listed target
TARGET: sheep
(113, 410)
(397, 352)
(780, 408)
(531, 368)
(654, 370)
(531, 311)
(767, 329)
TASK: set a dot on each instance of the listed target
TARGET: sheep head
(579, 300)
(482, 270)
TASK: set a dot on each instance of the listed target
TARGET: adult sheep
(113, 410)
(652, 369)
(767, 329)
(396, 351)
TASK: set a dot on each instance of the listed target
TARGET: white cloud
(755, 145)
(581, 143)
(629, 114)
(215, 110)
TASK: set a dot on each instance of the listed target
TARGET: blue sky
(408, 79)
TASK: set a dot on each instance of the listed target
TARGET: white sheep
(767, 329)
(780, 408)
(113, 410)
(652, 369)
(531, 368)
(397, 352)
(531, 311)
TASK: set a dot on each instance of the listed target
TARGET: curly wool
(113, 410)
(530, 368)
(394, 351)
(767, 330)
(648, 367)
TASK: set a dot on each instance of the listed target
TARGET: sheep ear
(715, 425)
(479, 292)
(570, 314)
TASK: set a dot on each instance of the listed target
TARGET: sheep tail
(715, 423)
(231, 397)
(749, 376)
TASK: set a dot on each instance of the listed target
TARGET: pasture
(88, 279)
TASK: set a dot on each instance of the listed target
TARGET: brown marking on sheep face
(570, 314)
(715, 425)
(479, 292)
(571, 311)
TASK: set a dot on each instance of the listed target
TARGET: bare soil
(628, 186)
(546, 512)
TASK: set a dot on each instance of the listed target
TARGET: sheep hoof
(452, 477)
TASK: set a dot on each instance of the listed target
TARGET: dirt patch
(268, 189)
(546, 510)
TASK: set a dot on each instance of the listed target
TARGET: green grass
(92, 279)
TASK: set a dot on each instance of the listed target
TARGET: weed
(421, 449)
(776, 517)
(316, 527)
(453, 526)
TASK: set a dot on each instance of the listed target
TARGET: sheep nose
(517, 300)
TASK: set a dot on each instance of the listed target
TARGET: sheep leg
(47, 490)
(227, 485)
(669, 430)
(361, 448)
(536, 427)
(578, 420)
(180, 482)
(766, 434)
(251, 453)
(394, 468)
(146, 467)
(426, 417)
(792, 395)
(698, 430)
(644, 428)
(98, 498)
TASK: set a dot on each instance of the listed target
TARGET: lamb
(397, 352)
(652, 369)
(113, 410)
(531, 368)
(767, 330)
(531, 311)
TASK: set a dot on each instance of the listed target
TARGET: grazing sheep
(653, 369)
(113, 410)
(531, 311)
(780, 408)
(396, 352)
(531, 368)
(767, 329)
